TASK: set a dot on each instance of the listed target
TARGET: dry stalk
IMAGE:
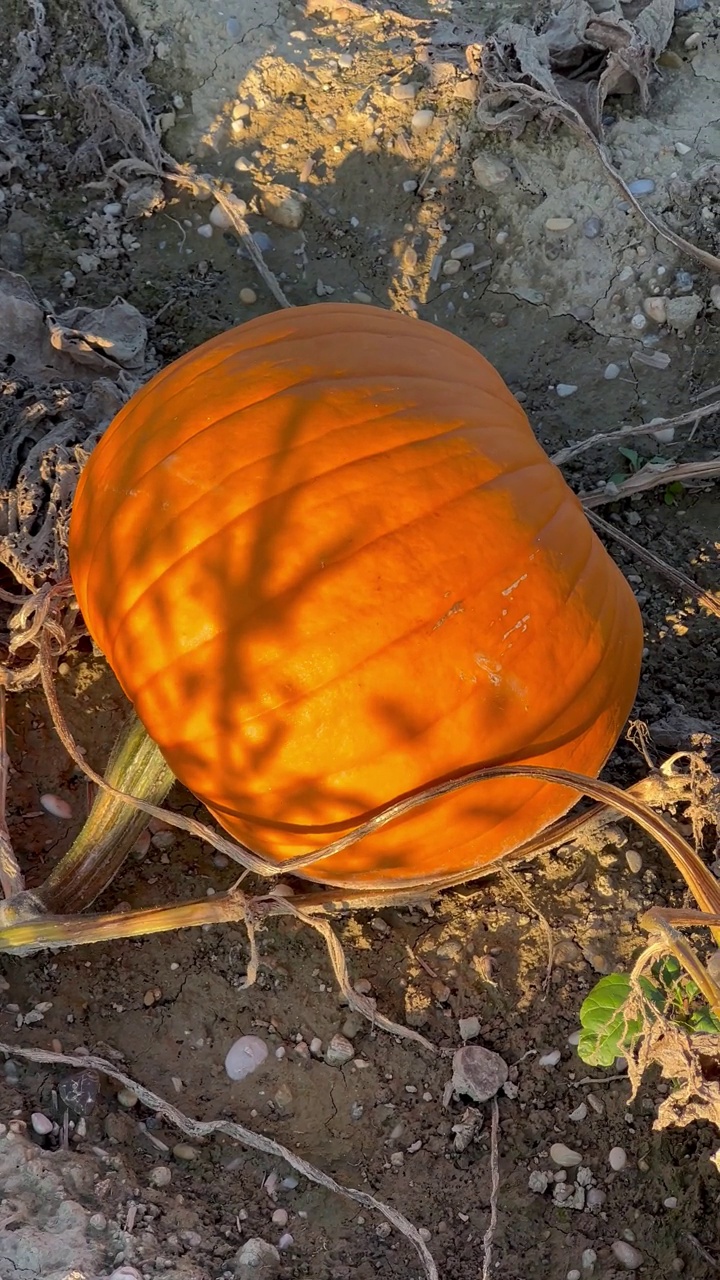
(255, 1141)
(652, 476)
(688, 419)
(489, 1236)
(704, 598)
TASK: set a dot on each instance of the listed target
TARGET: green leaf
(704, 1021)
(618, 478)
(632, 456)
(607, 1032)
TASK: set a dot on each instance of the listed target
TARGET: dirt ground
(307, 95)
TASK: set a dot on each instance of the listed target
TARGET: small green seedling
(612, 1024)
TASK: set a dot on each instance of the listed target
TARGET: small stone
(491, 173)
(596, 1104)
(617, 1159)
(316, 1047)
(360, 296)
(422, 120)
(219, 217)
(404, 92)
(205, 230)
(283, 207)
(656, 309)
(592, 227)
(574, 1274)
(580, 1112)
(596, 1198)
(127, 1098)
(612, 371)
(280, 1217)
(682, 148)
(40, 1123)
(478, 1072)
(339, 1052)
(564, 1157)
(256, 1260)
(241, 111)
(161, 1176)
(670, 1202)
(684, 281)
(539, 1181)
(588, 1259)
(715, 296)
(451, 267)
(565, 389)
(56, 806)
(683, 312)
(79, 1092)
(641, 187)
(242, 164)
(183, 1151)
(345, 60)
(469, 1028)
(634, 861)
(462, 251)
(286, 1240)
(550, 1059)
(558, 226)
(653, 359)
(639, 321)
(245, 1056)
(627, 1255)
(248, 297)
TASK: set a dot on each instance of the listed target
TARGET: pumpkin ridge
(378, 538)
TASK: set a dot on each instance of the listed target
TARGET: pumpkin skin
(329, 563)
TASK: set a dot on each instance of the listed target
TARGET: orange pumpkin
(329, 563)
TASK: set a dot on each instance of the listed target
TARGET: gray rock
(490, 173)
(683, 312)
(478, 1073)
(256, 1260)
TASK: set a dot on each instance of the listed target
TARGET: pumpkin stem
(112, 827)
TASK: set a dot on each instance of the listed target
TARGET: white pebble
(559, 225)
(588, 1259)
(574, 1274)
(316, 1047)
(639, 321)
(538, 1181)
(345, 60)
(565, 389)
(628, 1257)
(205, 230)
(422, 120)
(125, 1272)
(127, 1099)
(56, 806)
(562, 1155)
(580, 1112)
(242, 164)
(612, 371)
(248, 297)
(245, 1056)
(656, 309)
(404, 92)
(634, 861)
(463, 251)
(617, 1159)
(670, 1202)
(469, 1028)
(219, 217)
(451, 267)
(715, 296)
(286, 1241)
(280, 1217)
(161, 1176)
(502, 237)
(550, 1059)
(40, 1123)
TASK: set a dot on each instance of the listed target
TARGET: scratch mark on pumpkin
(519, 626)
(458, 607)
(509, 590)
(491, 669)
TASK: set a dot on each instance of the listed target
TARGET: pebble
(404, 92)
(316, 1047)
(280, 1217)
(127, 1098)
(183, 1151)
(286, 1240)
(715, 296)
(612, 371)
(564, 1157)
(478, 1072)
(232, 26)
(558, 226)
(257, 1257)
(538, 1181)
(245, 1056)
(634, 861)
(422, 120)
(125, 1272)
(627, 1255)
(595, 1198)
(565, 389)
(242, 165)
(283, 207)
(574, 1274)
(469, 1028)
(451, 267)
(219, 217)
(683, 312)
(161, 1176)
(588, 1259)
(653, 359)
(670, 1202)
(339, 1052)
(617, 1159)
(639, 321)
(580, 1112)
(248, 297)
(641, 186)
(682, 148)
(462, 251)
(656, 309)
(40, 1123)
(684, 281)
(345, 60)
(56, 806)
(490, 173)
(592, 227)
(205, 230)
(550, 1059)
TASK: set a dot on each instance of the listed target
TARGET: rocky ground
(351, 135)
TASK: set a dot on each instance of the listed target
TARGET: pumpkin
(329, 563)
